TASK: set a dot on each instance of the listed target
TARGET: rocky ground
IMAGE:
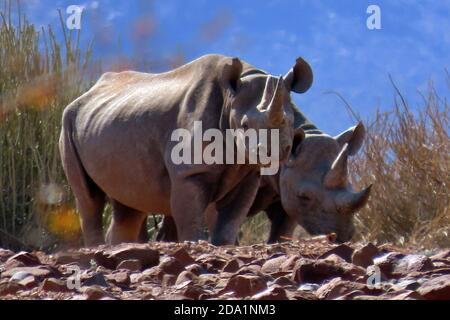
(308, 269)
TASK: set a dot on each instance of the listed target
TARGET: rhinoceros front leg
(281, 224)
(233, 209)
(189, 200)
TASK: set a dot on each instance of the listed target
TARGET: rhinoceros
(311, 189)
(116, 144)
(314, 188)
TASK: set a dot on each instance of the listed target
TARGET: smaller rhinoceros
(311, 189)
(314, 188)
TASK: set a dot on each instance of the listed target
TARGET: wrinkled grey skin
(116, 144)
(307, 191)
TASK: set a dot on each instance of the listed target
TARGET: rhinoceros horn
(337, 175)
(349, 202)
(272, 101)
(263, 105)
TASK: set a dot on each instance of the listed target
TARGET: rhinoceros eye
(305, 199)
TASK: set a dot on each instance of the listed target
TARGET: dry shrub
(407, 158)
(255, 229)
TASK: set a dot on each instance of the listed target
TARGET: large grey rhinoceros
(116, 144)
(311, 189)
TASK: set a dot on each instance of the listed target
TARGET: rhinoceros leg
(143, 233)
(233, 209)
(190, 197)
(90, 200)
(91, 217)
(281, 224)
(168, 231)
(126, 224)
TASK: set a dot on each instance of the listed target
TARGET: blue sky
(413, 45)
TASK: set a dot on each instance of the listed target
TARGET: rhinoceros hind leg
(90, 199)
(126, 224)
(91, 210)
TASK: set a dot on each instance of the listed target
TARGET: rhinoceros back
(121, 128)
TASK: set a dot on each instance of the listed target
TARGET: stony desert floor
(307, 269)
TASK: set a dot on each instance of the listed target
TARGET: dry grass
(255, 229)
(407, 157)
(38, 78)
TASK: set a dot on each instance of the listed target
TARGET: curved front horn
(349, 202)
(267, 95)
(337, 176)
(275, 109)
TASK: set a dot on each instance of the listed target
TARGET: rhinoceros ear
(231, 74)
(299, 79)
(354, 136)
